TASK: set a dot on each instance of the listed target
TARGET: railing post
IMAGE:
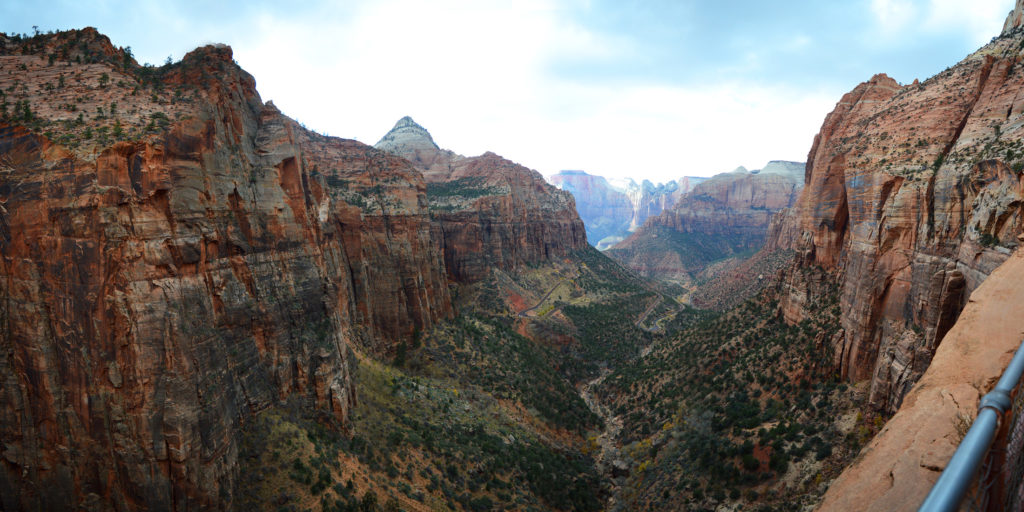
(952, 486)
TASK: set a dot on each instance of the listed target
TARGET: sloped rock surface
(898, 468)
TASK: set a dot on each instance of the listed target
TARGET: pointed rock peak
(1015, 19)
(405, 136)
(407, 122)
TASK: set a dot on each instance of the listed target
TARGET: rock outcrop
(414, 143)
(913, 196)
(1015, 19)
(605, 210)
(722, 216)
(612, 209)
(160, 289)
(898, 467)
(489, 212)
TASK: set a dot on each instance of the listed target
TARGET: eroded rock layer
(489, 212)
(605, 211)
(160, 290)
(913, 197)
(722, 216)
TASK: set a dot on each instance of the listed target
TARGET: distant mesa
(614, 208)
(724, 216)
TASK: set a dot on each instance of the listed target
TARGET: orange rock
(488, 212)
(897, 468)
(726, 214)
(161, 290)
(913, 196)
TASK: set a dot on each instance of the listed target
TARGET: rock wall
(159, 291)
(489, 212)
(897, 469)
(727, 214)
(913, 197)
(605, 211)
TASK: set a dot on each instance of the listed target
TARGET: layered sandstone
(649, 199)
(160, 290)
(487, 211)
(605, 211)
(913, 197)
(722, 216)
(898, 468)
(612, 209)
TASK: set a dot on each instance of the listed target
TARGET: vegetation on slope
(740, 408)
(418, 444)
(664, 253)
(480, 413)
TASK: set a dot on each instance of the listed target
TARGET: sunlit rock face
(612, 209)
(722, 216)
(161, 289)
(605, 211)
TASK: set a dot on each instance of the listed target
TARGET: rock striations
(488, 212)
(913, 196)
(606, 211)
(162, 283)
(612, 209)
(722, 216)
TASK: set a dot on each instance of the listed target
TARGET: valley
(208, 306)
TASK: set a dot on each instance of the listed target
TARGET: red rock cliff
(159, 290)
(913, 197)
(724, 215)
(488, 212)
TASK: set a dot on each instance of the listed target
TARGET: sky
(621, 88)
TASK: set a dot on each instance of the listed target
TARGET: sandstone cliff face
(913, 196)
(722, 216)
(160, 290)
(605, 211)
(900, 465)
(649, 199)
(611, 210)
(489, 212)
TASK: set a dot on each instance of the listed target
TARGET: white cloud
(893, 15)
(478, 78)
(486, 75)
(979, 19)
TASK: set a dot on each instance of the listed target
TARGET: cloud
(618, 88)
(978, 20)
(893, 15)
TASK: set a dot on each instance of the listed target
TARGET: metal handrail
(952, 486)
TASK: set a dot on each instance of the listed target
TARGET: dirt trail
(542, 299)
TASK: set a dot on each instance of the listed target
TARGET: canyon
(724, 216)
(613, 209)
(208, 306)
